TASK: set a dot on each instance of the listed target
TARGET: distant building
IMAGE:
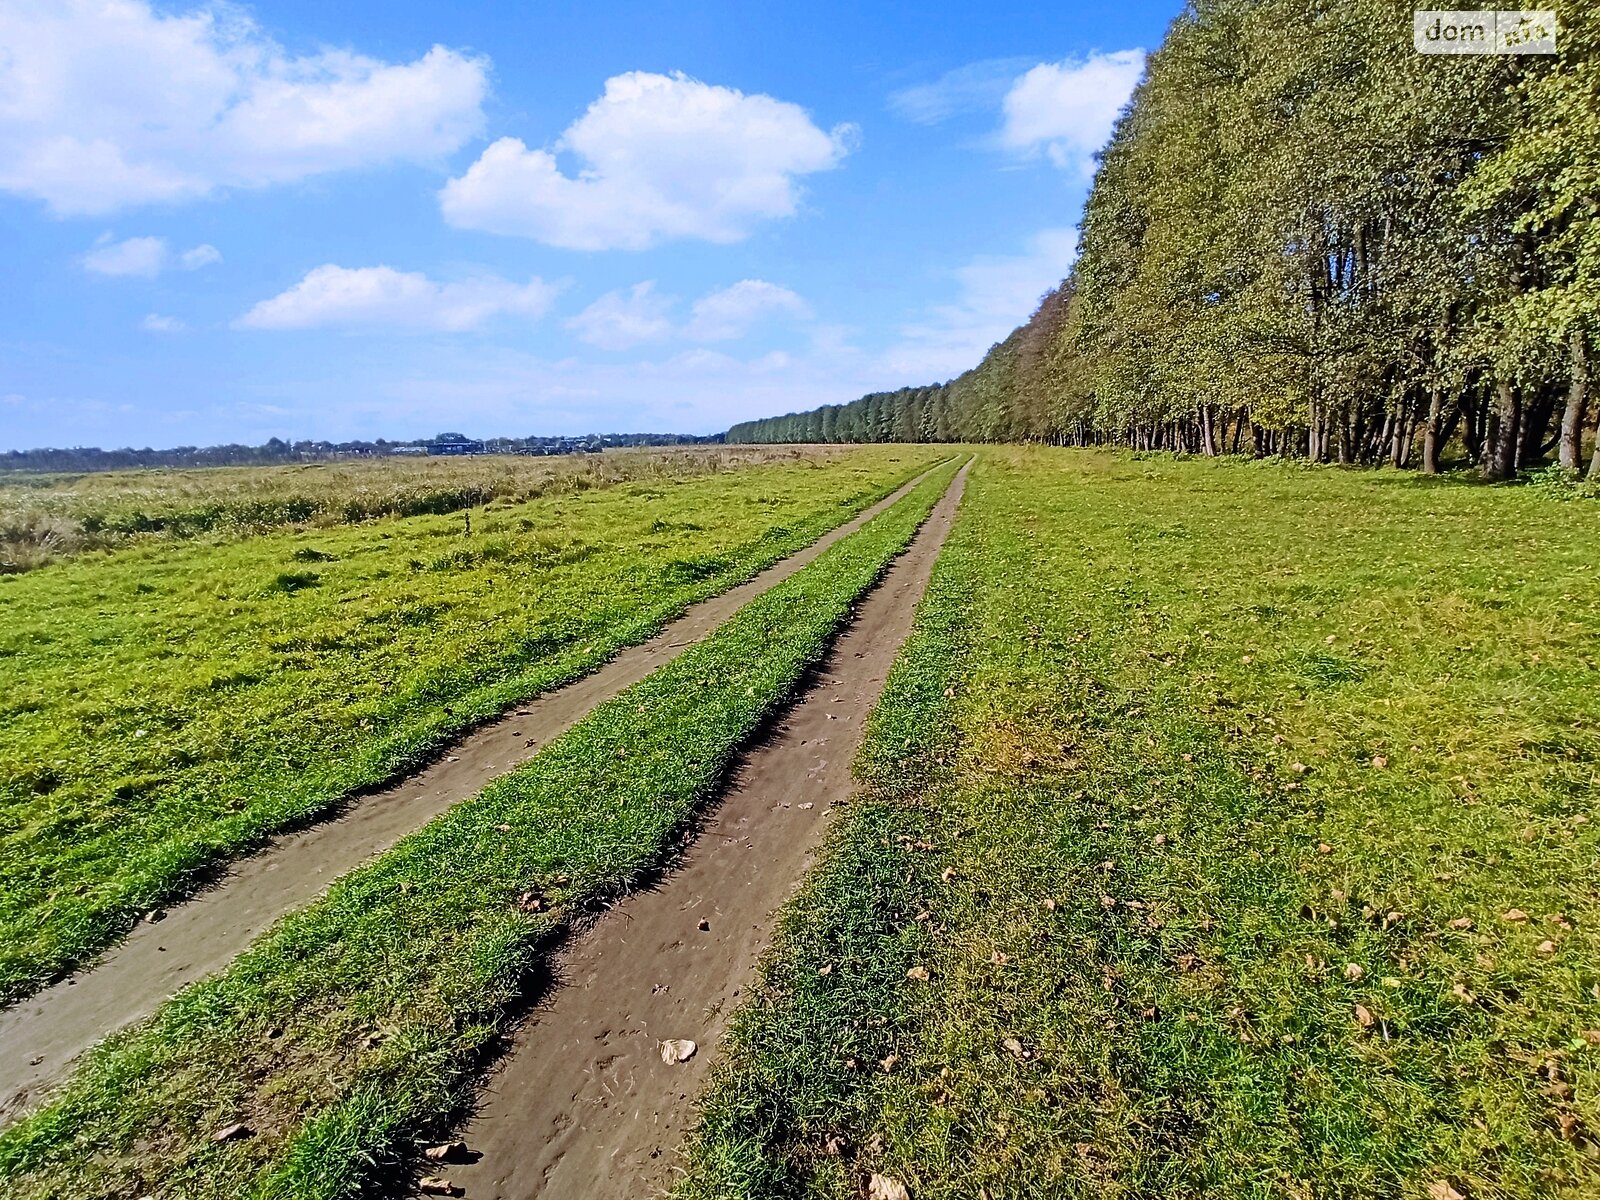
(454, 443)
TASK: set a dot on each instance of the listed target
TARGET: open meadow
(45, 517)
(1225, 828)
(166, 705)
(1229, 829)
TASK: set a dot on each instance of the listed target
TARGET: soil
(583, 1104)
(40, 1037)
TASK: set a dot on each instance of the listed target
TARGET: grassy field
(354, 1025)
(1228, 830)
(165, 706)
(47, 517)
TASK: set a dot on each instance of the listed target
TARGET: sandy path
(41, 1036)
(582, 1104)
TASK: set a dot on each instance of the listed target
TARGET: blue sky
(296, 219)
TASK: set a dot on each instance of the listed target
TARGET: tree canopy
(1307, 239)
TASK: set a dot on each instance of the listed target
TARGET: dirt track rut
(582, 1104)
(41, 1036)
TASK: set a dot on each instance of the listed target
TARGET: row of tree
(1307, 239)
(274, 451)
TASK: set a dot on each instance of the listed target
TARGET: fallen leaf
(885, 1187)
(1049, 905)
(1324, 848)
(1440, 1189)
(1016, 1049)
(432, 1185)
(230, 1133)
(890, 1063)
(1364, 1016)
(446, 1152)
(920, 974)
(1514, 914)
(825, 969)
(1461, 923)
(677, 1050)
(1379, 762)
(1546, 947)
(1354, 972)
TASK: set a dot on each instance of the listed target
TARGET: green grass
(47, 518)
(1202, 792)
(164, 707)
(355, 1025)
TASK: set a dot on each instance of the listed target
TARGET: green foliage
(1306, 239)
(1215, 841)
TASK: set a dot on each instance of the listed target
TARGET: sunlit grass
(1242, 818)
(47, 517)
(355, 1025)
(165, 706)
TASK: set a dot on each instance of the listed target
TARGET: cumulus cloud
(156, 323)
(976, 87)
(625, 318)
(639, 315)
(382, 298)
(108, 103)
(997, 293)
(1066, 110)
(143, 256)
(660, 157)
(202, 255)
(731, 313)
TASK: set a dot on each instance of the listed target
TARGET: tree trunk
(1577, 403)
(1500, 454)
(1430, 439)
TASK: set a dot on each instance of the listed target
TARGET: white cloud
(1066, 110)
(202, 255)
(156, 323)
(732, 312)
(383, 298)
(998, 292)
(661, 157)
(109, 103)
(976, 87)
(625, 318)
(142, 256)
(639, 315)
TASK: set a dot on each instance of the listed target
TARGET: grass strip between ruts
(1197, 857)
(356, 1024)
(158, 716)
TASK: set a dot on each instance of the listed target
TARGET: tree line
(277, 451)
(1307, 239)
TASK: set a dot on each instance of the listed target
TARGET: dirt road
(41, 1036)
(583, 1104)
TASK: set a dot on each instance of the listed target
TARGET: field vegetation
(1228, 829)
(48, 517)
(164, 707)
(353, 1027)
